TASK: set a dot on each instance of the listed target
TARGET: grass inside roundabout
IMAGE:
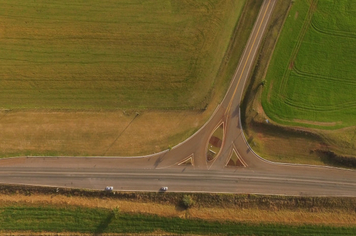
(311, 79)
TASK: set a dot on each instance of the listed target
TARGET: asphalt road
(149, 173)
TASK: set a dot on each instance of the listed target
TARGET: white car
(109, 188)
(163, 189)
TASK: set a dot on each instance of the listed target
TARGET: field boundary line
(324, 77)
(335, 33)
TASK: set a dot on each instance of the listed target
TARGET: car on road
(163, 189)
(109, 188)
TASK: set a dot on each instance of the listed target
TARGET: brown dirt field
(250, 215)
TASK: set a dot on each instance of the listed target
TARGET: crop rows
(113, 54)
(312, 73)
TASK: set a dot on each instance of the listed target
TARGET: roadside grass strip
(97, 221)
(311, 79)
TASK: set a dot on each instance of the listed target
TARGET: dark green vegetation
(187, 201)
(84, 220)
(311, 79)
(112, 54)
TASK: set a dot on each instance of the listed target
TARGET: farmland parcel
(311, 81)
(112, 54)
(74, 74)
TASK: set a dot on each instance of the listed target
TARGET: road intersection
(149, 173)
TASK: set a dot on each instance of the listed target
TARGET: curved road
(149, 173)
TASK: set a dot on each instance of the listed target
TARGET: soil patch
(215, 141)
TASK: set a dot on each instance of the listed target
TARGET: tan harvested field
(336, 217)
(94, 133)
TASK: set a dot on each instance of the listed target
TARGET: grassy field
(300, 144)
(252, 209)
(87, 220)
(44, 209)
(311, 78)
(75, 131)
(112, 54)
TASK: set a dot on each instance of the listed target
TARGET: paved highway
(149, 173)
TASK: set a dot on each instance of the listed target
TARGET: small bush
(116, 212)
(187, 201)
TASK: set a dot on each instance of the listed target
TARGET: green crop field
(112, 54)
(97, 221)
(312, 76)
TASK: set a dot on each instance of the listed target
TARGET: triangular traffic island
(215, 142)
(235, 160)
(187, 162)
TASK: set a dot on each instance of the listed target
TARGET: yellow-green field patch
(93, 133)
(112, 54)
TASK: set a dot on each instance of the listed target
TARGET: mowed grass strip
(311, 80)
(86, 220)
(93, 54)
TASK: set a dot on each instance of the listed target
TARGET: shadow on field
(104, 224)
(331, 158)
